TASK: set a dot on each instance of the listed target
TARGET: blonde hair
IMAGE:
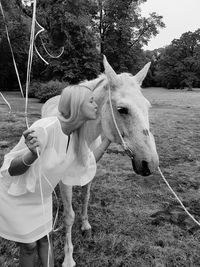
(69, 108)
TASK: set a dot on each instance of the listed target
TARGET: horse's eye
(122, 110)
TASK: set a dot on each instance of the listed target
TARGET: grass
(135, 220)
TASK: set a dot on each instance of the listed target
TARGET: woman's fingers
(31, 140)
(27, 132)
(30, 135)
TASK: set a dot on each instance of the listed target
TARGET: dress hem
(26, 240)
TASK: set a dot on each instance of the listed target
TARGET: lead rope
(128, 151)
(124, 144)
(178, 199)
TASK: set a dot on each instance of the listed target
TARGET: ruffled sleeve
(21, 184)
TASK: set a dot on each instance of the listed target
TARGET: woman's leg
(27, 254)
(44, 252)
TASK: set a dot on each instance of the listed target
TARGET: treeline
(86, 29)
(176, 65)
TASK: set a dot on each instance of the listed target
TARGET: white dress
(23, 218)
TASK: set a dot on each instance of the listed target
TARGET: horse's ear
(110, 73)
(142, 73)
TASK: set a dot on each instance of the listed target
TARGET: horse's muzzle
(143, 169)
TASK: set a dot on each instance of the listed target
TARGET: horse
(130, 111)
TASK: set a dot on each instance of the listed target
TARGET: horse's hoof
(68, 262)
(87, 233)
(85, 226)
(72, 263)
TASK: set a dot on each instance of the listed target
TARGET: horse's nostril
(145, 168)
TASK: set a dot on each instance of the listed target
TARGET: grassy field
(136, 221)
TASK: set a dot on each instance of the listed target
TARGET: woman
(52, 149)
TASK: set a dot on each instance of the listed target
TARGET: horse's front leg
(66, 193)
(85, 196)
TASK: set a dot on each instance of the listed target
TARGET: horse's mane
(96, 83)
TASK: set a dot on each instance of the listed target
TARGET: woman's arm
(20, 164)
(98, 152)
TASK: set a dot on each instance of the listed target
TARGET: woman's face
(89, 107)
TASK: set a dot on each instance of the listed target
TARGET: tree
(179, 64)
(123, 31)
(153, 57)
(19, 39)
(68, 24)
(78, 25)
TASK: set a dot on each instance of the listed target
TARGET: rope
(178, 199)
(114, 120)
(126, 147)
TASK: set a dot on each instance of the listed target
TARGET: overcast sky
(179, 16)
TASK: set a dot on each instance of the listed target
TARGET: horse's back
(50, 107)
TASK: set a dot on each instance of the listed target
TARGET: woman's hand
(31, 140)
(99, 151)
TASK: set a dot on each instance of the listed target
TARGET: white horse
(130, 110)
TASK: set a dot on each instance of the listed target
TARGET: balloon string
(6, 101)
(30, 58)
(29, 65)
(13, 57)
(52, 56)
(43, 209)
(37, 34)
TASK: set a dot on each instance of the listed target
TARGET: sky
(179, 17)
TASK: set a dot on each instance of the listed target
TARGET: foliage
(79, 26)
(34, 88)
(48, 90)
(178, 65)
(123, 32)
(68, 24)
(19, 39)
(153, 57)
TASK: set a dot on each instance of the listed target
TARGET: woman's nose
(95, 105)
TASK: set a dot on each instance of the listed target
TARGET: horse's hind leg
(66, 193)
(85, 196)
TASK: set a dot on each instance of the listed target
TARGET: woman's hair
(69, 107)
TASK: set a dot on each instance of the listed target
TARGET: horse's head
(130, 109)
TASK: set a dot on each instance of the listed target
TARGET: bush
(34, 88)
(49, 89)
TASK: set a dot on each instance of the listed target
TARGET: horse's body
(131, 112)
